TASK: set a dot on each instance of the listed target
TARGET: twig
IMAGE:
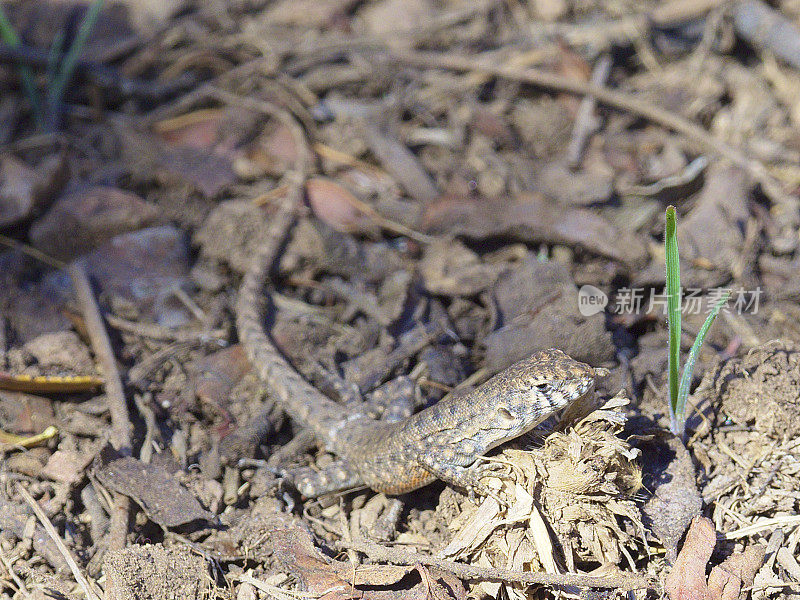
(205, 90)
(159, 332)
(34, 253)
(10, 569)
(118, 523)
(404, 557)
(149, 418)
(584, 124)
(762, 525)
(138, 373)
(768, 29)
(390, 225)
(604, 34)
(614, 99)
(121, 428)
(62, 548)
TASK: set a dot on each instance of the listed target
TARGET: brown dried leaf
(530, 217)
(273, 152)
(24, 413)
(209, 173)
(294, 547)
(216, 374)
(198, 129)
(687, 580)
(387, 17)
(67, 466)
(451, 269)
(336, 206)
(668, 471)
(723, 202)
(24, 189)
(304, 14)
(159, 494)
(148, 158)
(145, 267)
(737, 571)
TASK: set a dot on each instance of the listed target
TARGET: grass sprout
(58, 72)
(679, 387)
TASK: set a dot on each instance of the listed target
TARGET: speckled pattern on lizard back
(442, 441)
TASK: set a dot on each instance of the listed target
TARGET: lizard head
(554, 377)
(534, 388)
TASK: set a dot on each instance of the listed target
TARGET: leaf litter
(472, 166)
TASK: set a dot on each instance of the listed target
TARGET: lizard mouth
(585, 386)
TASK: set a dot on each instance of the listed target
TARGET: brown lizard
(442, 441)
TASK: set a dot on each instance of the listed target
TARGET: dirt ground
(479, 180)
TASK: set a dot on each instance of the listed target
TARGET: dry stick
(404, 557)
(612, 98)
(121, 427)
(62, 547)
(159, 332)
(10, 569)
(584, 124)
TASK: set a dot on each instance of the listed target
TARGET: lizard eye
(542, 387)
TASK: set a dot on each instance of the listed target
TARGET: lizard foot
(495, 470)
(312, 483)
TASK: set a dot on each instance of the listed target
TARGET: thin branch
(121, 427)
(62, 547)
(584, 121)
(404, 557)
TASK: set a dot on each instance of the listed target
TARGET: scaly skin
(442, 441)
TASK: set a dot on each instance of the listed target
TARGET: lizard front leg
(337, 477)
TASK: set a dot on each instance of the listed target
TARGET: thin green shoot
(679, 414)
(58, 73)
(57, 86)
(673, 310)
(10, 38)
(53, 57)
(679, 388)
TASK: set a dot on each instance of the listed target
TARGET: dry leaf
(687, 580)
(335, 205)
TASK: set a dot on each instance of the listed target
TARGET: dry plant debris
(463, 174)
(570, 501)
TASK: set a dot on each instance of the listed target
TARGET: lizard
(443, 441)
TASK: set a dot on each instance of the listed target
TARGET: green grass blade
(56, 49)
(686, 378)
(62, 77)
(10, 37)
(673, 312)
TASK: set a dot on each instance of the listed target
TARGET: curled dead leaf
(687, 580)
(336, 206)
